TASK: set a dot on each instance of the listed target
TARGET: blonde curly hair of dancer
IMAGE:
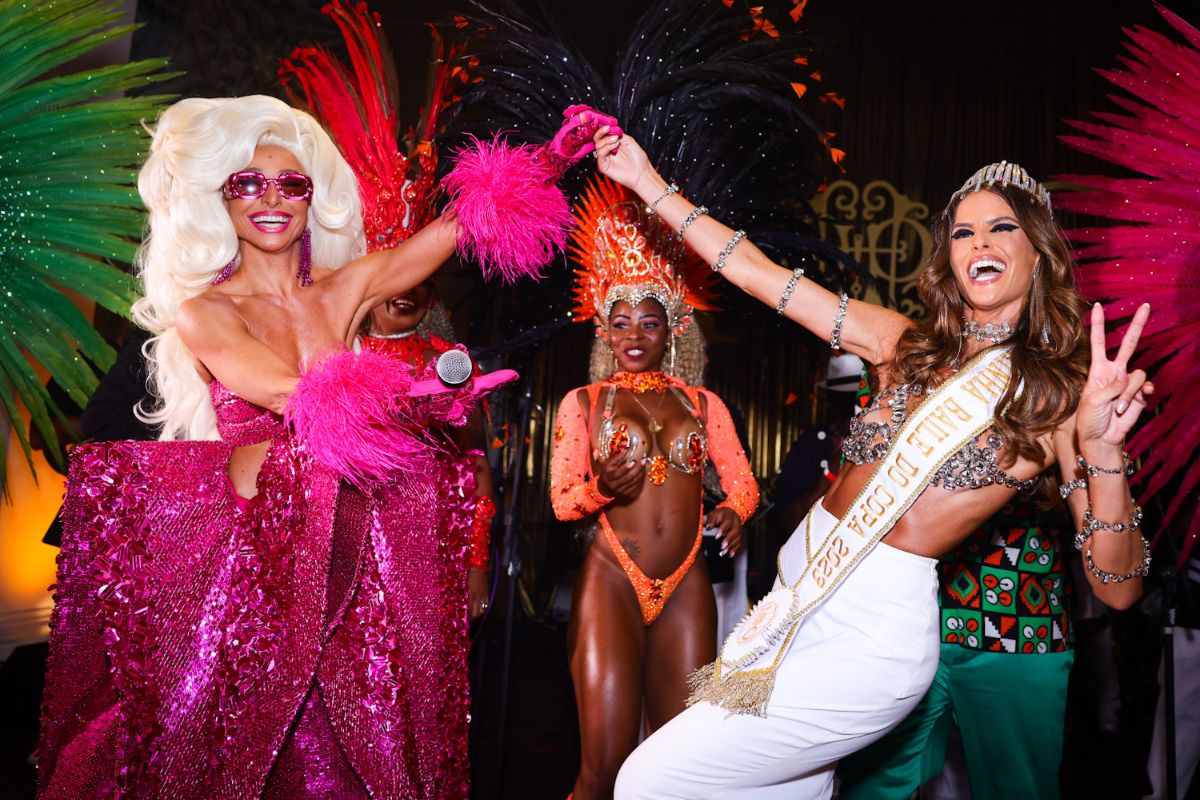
(197, 143)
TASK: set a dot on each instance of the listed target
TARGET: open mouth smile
(401, 306)
(986, 269)
(271, 221)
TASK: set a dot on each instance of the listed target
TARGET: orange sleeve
(725, 451)
(574, 491)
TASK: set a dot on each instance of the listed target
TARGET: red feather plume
(358, 105)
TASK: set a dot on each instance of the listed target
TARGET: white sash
(953, 415)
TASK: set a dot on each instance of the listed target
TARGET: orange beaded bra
(686, 453)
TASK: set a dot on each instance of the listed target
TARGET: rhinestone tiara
(1005, 174)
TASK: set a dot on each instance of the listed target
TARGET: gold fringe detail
(738, 693)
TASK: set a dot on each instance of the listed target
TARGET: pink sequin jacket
(311, 642)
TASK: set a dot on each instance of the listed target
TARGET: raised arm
(374, 278)
(867, 330)
(218, 337)
(1116, 557)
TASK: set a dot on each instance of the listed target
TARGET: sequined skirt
(309, 644)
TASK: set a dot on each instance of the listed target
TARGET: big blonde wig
(197, 143)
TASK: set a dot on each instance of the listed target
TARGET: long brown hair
(1054, 371)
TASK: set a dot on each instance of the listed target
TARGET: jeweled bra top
(686, 453)
(240, 422)
(972, 467)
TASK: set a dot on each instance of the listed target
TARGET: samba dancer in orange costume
(631, 447)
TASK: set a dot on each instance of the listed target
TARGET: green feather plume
(69, 207)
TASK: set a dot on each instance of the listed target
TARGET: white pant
(1187, 719)
(859, 664)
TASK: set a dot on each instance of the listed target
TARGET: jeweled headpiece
(625, 253)
(1005, 174)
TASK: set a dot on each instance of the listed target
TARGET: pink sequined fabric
(310, 643)
(240, 422)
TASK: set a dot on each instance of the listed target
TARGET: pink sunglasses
(249, 184)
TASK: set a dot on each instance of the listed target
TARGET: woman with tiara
(630, 449)
(238, 611)
(998, 390)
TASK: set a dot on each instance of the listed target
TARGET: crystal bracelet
(696, 214)
(835, 339)
(653, 207)
(1091, 525)
(732, 243)
(1111, 577)
(787, 291)
(1126, 467)
(1070, 486)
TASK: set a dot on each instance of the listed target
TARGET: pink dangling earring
(226, 271)
(305, 271)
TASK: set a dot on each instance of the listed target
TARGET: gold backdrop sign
(883, 230)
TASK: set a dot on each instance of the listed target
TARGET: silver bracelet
(797, 273)
(835, 340)
(1091, 525)
(1111, 577)
(1070, 486)
(653, 207)
(696, 214)
(733, 242)
(1126, 467)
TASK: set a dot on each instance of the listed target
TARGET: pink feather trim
(349, 410)
(512, 215)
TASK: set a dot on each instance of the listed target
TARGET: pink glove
(454, 394)
(574, 139)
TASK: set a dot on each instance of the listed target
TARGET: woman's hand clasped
(1113, 397)
(729, 524)
(621, 159)
(622, 476)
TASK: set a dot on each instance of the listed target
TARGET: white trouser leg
(732, 601)
(859, 664)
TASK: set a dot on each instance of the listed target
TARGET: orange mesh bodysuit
(574, 483)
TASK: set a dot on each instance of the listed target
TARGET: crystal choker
(993, 332)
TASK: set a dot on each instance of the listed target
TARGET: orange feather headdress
(624, 252)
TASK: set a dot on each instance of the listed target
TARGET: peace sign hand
(1113, 398)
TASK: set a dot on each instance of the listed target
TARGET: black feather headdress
(712, 97)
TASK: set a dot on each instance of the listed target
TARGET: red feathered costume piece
(358, 105)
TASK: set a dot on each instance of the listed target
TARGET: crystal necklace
(992, 332)
(400, 335)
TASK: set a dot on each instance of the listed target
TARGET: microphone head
(454, 367)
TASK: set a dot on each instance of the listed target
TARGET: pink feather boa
(350, 410)
(513, 216)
